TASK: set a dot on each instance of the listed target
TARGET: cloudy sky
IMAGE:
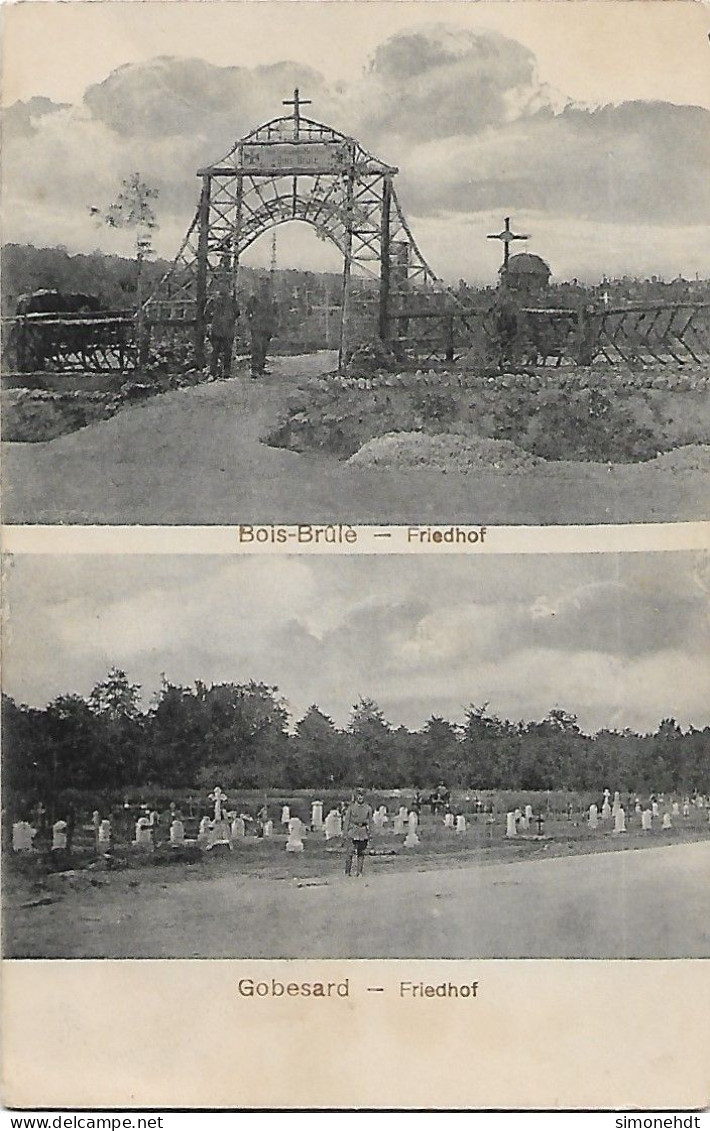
(588, 122)
(619, 640)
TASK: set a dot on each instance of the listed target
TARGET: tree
(132, 209)
(176, 732)
(440, 753)
(114, 702)
(245, 729)
(372, 745)
(116, 698)
(317, 754)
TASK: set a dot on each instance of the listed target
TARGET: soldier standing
(261, 314)
(357, 827)
(223, 312)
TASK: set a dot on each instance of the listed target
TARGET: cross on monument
(297, 102)
(506, 237)
(218, 797)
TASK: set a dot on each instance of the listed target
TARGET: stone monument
(295, 835)
(59, 835)
(412, 840)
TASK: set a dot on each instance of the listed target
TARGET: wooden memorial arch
(294, 168)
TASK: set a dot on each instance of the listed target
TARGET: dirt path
(653, 903)
(194, 457)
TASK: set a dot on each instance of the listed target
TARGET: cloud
(169, 97)
(463, 114)
(619, 641)
(21, 118)
(446, 81)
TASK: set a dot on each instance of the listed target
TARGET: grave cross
(506, 237)
(297, 102)
(218, 797)
(539, 821)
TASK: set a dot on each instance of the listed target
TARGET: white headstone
(144, 833)
(460, 823)
(510, 829)
(338, 823)
(646, 820)
(686, 808)
(666, 821)
(403, 812)
(23, 835)
(529, 813)
(398, 827)
(378, 820)
(295, 834)
(593, 817)
(238, 829)
(654, 808)
(220, 832)
(177, 832)
(606, 810)
(285, 815)
(518, 814)
(449, 821)
(105, 832)
(620, 821)
(637, 806)
(331, 824)
(268, 828)
(204, 830)
(317, 815)
(96, 819)
(412, 840)
(676, 809)
(59, 834)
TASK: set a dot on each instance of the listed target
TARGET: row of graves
(226, 829)
(659, 812)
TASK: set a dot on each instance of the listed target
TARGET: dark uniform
(262, 314)
(223, 312)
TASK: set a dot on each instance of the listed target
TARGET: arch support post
(201, 285)
(347, 267)
(385, 321)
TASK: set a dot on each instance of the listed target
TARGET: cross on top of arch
(297, 102)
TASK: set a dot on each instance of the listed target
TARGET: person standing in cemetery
(357, 830)
(222, 312)
(261, 316)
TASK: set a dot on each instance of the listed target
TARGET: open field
(195, 456)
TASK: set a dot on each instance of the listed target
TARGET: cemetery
(64, 889)
(214, 798)
(578, 390)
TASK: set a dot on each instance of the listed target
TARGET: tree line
(241, 735)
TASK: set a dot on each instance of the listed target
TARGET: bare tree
(132, 209)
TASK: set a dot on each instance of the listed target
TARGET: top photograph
(365, 263)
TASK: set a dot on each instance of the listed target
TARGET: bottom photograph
(398, 756)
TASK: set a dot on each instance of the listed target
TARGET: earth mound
(689, 457)
(443, 452)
